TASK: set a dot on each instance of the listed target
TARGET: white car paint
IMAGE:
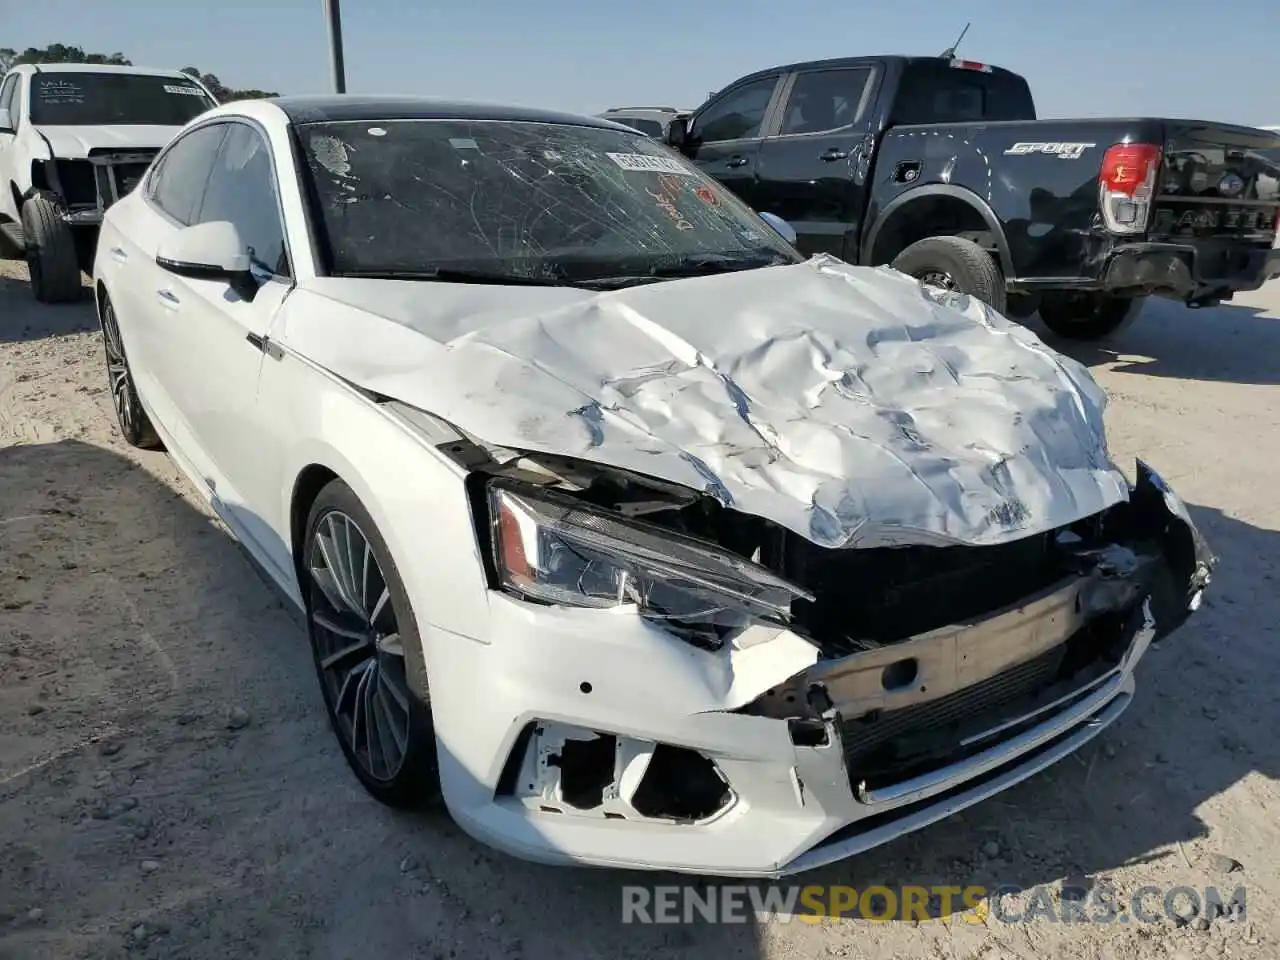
(509, 365)
(28, 143)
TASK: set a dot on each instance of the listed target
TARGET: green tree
(224, 93)
(59, 53)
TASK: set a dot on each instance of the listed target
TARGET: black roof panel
(344, 107)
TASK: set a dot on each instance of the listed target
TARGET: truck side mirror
(677, 134)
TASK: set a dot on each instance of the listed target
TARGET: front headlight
(550, 548)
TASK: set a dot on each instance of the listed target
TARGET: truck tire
(954, 263)
(51, 253)
(1075, 316)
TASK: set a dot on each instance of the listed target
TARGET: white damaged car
(630, 534)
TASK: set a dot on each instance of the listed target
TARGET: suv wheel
(51, 252)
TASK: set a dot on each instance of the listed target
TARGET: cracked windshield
(523, 202)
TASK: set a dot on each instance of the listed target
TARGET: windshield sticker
(60, 91)
(189, 91)
(648, 164)
(707, 196)
(463, 143)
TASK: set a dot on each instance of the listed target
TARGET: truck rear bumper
(1194, 273)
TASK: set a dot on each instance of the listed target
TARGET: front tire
(135, 425)
(1088, 316)
(52, 259)
(367, 651)
(954, 263)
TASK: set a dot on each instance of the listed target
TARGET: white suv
(74, 138)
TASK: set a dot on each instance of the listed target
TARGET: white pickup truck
(74, 138)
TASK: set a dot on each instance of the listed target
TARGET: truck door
(724, 136)
(813, 171)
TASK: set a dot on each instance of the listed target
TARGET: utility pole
(334, 17)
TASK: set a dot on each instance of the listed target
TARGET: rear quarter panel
(1039, 178)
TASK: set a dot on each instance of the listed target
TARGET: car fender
(962, 194)
(417, 497)
(25, 150)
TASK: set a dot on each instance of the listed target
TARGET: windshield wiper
(702, 264)
(697, 265)
(459, 275)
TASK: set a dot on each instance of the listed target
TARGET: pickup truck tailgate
(1217, 182)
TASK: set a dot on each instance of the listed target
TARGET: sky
(1174, 58)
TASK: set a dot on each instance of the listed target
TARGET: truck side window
(939, 93)
(824, 100)
(737, 116)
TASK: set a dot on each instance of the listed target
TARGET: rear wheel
(135, 425)
(367, 652)
(51, 252)
(1087, 316)
(954, 263)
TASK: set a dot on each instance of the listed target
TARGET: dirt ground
(169, 787)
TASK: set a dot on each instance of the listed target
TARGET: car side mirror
(780, 227)
(6, 121)
(677, 134)
(209, 251)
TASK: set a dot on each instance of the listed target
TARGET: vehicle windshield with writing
(74, 139)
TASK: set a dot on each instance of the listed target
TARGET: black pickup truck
(939, 167)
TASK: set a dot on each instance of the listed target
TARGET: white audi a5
(617, 525)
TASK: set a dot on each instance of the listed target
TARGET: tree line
(61, 53)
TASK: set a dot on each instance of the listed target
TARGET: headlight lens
(551, 548)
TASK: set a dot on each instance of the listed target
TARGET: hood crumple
(848, 404)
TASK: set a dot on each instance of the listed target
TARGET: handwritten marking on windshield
(669, 188)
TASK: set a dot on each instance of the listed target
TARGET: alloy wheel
(118, 377)
(357, 644)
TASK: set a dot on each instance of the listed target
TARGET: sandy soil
(143, 815)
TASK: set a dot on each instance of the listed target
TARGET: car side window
(737, 116)
(823, 100)
(242, 191)
(177, 183)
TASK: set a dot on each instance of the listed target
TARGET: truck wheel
(1088, 316)
(954, 263)
(51, 253)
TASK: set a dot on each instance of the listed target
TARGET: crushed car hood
(75, 142)
(848, 404)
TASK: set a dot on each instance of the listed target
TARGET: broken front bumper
(597, 739)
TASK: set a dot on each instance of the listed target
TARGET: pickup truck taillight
(1127, 185)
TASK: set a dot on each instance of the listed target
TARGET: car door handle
(168, 298)
(737, 160)
(833, 154)
(118, 254)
